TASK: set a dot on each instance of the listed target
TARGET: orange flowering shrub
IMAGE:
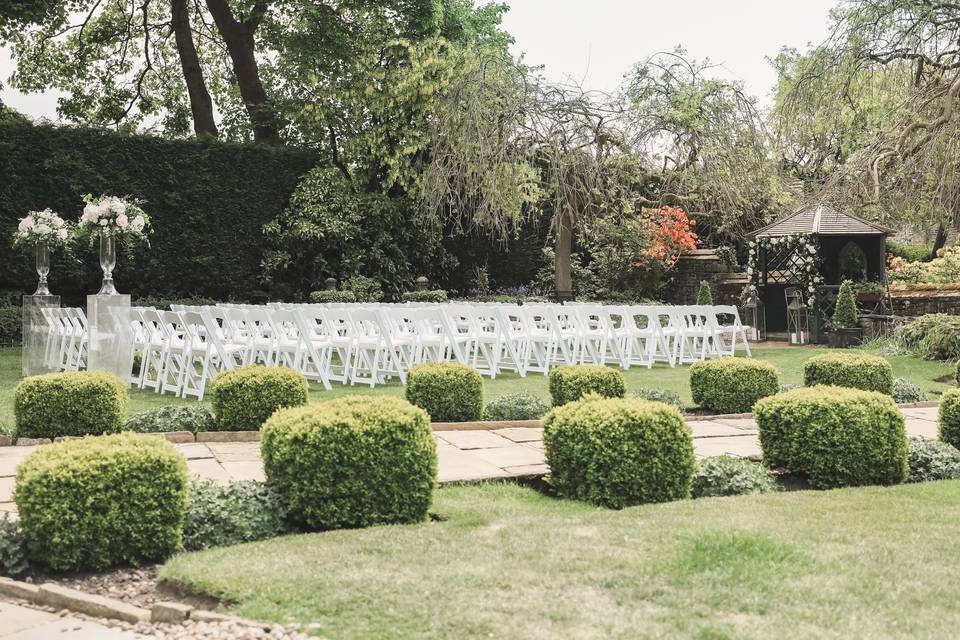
(671, 233)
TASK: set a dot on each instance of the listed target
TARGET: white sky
(596, 41)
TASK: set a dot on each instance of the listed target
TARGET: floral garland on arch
(41, 228)
(113, 216)
(804, 245)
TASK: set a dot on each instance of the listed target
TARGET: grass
(789, 360)
(509, 562)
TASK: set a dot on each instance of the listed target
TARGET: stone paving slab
(14, 618)
(6, 489)
(465, 440)
(711, 429)
(25, 623)
(744, 424)
(194, 450)
(740, 446)
(520, 434)
(508, 456)
(923, 413)
(921, 428)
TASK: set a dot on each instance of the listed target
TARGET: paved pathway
(465, 455)
(24, 623)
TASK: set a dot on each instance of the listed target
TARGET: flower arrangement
(41, 228)
(805, 248)
(113, 216)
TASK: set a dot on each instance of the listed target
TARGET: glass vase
(108, 260)
(43, 268)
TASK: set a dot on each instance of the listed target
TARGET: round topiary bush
(571, 382)
(729, 476)
(74, 403)
(352, 462)
(102, 501)
(932, 460)
(905, 391)
(244, 398)
(618, 452)
(835, 436)
(515, 406)
(855, 370)
(448, 391)
(948, 418)
(732, 385)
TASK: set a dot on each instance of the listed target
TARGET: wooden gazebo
(836, 246)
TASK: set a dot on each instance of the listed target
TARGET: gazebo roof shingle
(821, 220)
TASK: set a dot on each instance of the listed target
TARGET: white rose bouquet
(113, 216)
(41, 228)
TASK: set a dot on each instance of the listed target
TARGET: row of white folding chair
(175, 355)
(66, 339)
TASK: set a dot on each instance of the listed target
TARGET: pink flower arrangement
(114, 216)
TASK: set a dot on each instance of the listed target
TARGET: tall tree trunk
(938, 241)
(238, 36)
(200, 103)
(563, 247)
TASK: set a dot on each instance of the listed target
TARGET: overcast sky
(596, 41)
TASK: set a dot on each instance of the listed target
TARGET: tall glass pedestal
(36, 334)
(111, 337)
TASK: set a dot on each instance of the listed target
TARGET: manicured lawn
(789, 360)
(511, 563)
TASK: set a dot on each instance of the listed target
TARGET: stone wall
(704, 264)
(911, 301)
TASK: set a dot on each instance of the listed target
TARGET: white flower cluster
(806, 251)
(114, 216)
(41, 227)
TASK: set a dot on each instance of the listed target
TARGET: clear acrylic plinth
(111, 336)
(36, 335)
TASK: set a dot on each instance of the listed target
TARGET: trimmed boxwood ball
(244, 398)
(732, 385)
(102, 501)
(855, 370)
(948, 417)
(617, 452)
(74, 403)
(571, 382)
(834, 436)
(447, 391)
(352, 462)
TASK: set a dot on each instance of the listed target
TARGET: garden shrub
(618, 452)
(219, 515)
(905, 391)
(660, 395)
(834, 436)
(948, 417)
(515, 406)
(704, 294)
(932, 460)
(845, 314)
(447, 391)
(164, 303)
(364, 289)
(192, 418)
(730, 476)
(956, 373)
(328, 296)
(732, 385)
(854, 370)
(11, 325)
(13, 547)
(102, 501)
(244, 398)
(571, 382)
(935, 336)
(352, 462)
(72, 403)
(435, 295)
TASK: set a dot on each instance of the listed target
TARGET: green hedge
(102, 501)
(244, 398)
(447, 391)
(74, 403)
(855, 370)
(948, 419)
(352, 462)
(571, 382)
(834, 436)
(328, 296)
(11, 325)
(436, 295)
(208, 201)
(616, 452)
(732, 385)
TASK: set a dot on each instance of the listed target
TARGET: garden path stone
(208, 469)
(520, 434)
(194, 451)
(713, 429)
(6, 489)
(244, 470)
(740, 446)
(509, 456)
(24, 623)
(921, 428)
(923, 413)
(744, 424)
(473, 439)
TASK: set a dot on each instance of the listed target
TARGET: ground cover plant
(742, 567)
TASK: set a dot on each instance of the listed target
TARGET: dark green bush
(572, 382)
(435, 295)
(192, 418)
(13, 547)
(515, 406)
(352, 462)
(932, 460)
(730, 476)
(834, 436)
(909, 252)
(244, 398)
(219, 515)
(74, 403)
(845, 314)
(618, 452)
(328, 296)
(732, 385)
(704, 294)
(660, 395)
(447, 391)
(102, 501)
(164, 303)
(854, 370)
(935, 336)
(905, 391)
(364, 288)
(11, 325)
(948, 419)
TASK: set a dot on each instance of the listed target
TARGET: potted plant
(846, 329)
(870, 291)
